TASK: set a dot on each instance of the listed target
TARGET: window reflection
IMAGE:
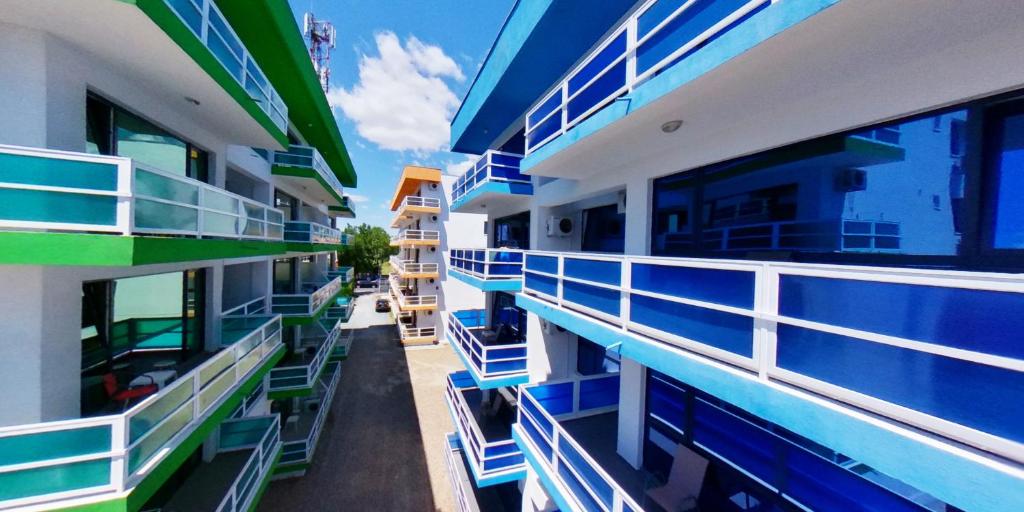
(896, 189)
(1009, 177)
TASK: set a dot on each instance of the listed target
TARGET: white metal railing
(409, 301)
(619, 64)
(208, 24)
(420, 202)
(304, 375)
(413, 267)
(489, 458)
(307, 157)
(488, 264)
(257, 468)
(416, 235)
(462, 488)
(302, 450)
(119, 195)
(311, 232)
(345, 273)
(577, 281)
(132, 442)
(256, 306)
(563, 455)
(305, 304)
(416, 334)
(492, 167)
(844, 235)
(486, 361)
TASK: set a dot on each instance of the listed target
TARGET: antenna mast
(320, 36)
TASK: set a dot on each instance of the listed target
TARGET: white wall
(458, 230)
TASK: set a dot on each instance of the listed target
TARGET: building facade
(742, 255)
(170, 174)
(419, 287)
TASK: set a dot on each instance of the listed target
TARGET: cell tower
(321, 37)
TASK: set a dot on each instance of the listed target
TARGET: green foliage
(371, 246)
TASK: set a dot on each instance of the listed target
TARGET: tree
(371, 246)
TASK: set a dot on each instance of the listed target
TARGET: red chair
(125, 395)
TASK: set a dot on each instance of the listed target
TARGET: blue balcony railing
(492, 167)
(660, 34)
(561, 457)
(501, 266)
(857, 335)
(458, 475)
(493, 362)
(492, 460)
(208, 24)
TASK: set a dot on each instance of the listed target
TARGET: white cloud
(460, 167)
(402, 101)
(359, 198)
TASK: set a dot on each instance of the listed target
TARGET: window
(593, 359)
(285, 276)
(287, 204)
(604, 229)
(507, 319)
(513, 232)
(892, 190)
(1007, 179)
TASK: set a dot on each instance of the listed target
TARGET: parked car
(383, 306)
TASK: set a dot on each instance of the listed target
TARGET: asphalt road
(381, 449)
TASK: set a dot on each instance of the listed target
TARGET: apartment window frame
(976, 250)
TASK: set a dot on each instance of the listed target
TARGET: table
(164, 365)
(160, 377)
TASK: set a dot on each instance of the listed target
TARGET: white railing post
(631, 45)
(561, 273)
(625, 285)
(119, 461)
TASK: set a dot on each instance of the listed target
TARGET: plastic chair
(125, 395)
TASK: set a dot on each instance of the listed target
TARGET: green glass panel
(144, 450)
(52, 445)
(243, 432)
(218, 365)
(159, 409)
(53, 172)
(153, 215)
(221, 202)
(47, 480)
(42, 206)
(215, 390)
(162, 187)
(219, 224)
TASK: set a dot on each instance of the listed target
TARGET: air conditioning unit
(621, 204)
(851, 180)
(560, 226)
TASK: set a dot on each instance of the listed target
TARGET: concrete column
(214, 304)
(632, 388)
(22, 86)
(549, 352)
(40, 342)
(535, 498)
(638, 216)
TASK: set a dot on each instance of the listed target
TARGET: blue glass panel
(188, 12)
(223, 54)
(597, 92)
(505, 353)
(600, 271)
(547, 107)
(666, 401)
(733, 333)
(505, 366)
(982, 397)
(506, 269)
(1008, 221)
(655, 14)
(220, 26)
(501, 449)
(542, 423)
(577, 489)
(692, 22)
(595, 393)
(969, 319)
(53, 172)
(544, 130)
(726, 287)
(537, 438)
(503, 462)
(546, 264)
(554, 398)
(42, 206)
(600, 299)
(542, 284)
(735, 440)
(508, 160)
(614, 50)
(820, 484)
(599, 485)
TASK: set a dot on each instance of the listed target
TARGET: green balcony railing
(42, 189)
(307, 157)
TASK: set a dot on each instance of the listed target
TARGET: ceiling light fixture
(671, 126)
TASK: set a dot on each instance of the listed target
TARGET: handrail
(416, 332)
(308, 157)
(417, 235)
(130, 198)
(479, 445)
(410, 300)
(493, 166)
(420, 201)
(243, 491)
(554, 435)
(487, 361)
(413, 267)
(488, 264)
(311, 369)
(252, 307)
(288, 303)
(138, 436)
(621, 63)
(205, 20)
(307, 446)
(631, 294)
(311, 232)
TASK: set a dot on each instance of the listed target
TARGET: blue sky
(398, 74)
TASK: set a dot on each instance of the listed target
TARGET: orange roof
(410, 181)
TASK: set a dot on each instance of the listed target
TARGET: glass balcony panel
(57, 207)
(156, 439)
(163, 187)
(221, 202)
(219, 224)
(156, 411)
(56, 172)
(39, 446)
(53, 479)
(165, 217)
(190, 13)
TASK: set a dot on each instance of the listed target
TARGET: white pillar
(41, 344)
(549, 351)
(632, 386)
(535, 498)
(638, 216)
(214, 304)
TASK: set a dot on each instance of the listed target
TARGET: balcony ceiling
(849, 65)
(538, 43)
(128, 42)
